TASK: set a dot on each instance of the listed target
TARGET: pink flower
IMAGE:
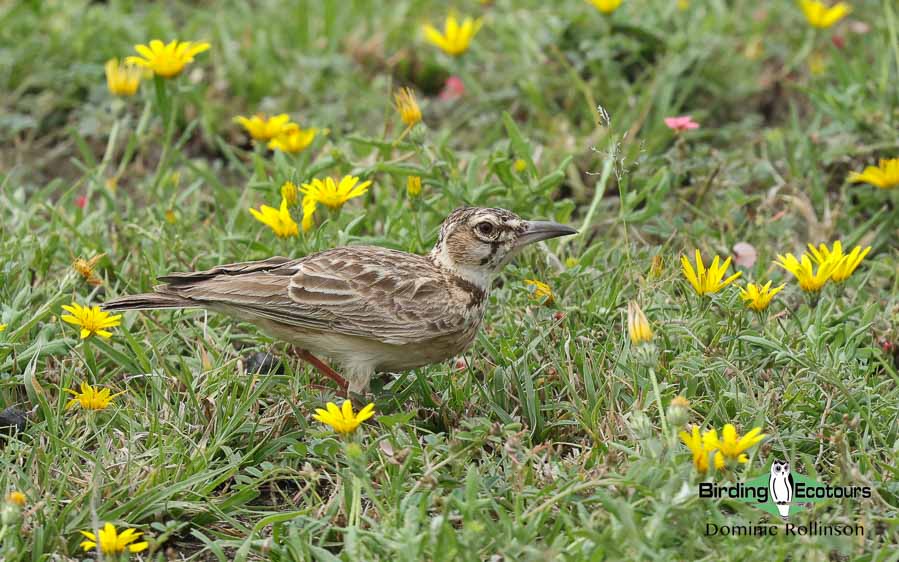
(452, 89)
(858, 26)
(682, 123)
(838, 41)
(81, 201)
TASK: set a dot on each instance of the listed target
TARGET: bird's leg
(321, 367)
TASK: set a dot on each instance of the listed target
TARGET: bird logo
(781, 486)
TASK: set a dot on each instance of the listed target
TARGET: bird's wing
(378, 293)
(375, 293)
(276, 264)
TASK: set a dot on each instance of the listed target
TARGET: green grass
(550, 443)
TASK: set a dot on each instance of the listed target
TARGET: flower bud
(353, 451)
(678, 411)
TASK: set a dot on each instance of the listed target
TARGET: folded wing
(370, 292)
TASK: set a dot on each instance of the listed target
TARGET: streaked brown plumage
(368, 308)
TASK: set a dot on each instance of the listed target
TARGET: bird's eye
(486, 228)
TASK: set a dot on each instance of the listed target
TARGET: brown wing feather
(270, 265)
(381, 294)
(371, 292)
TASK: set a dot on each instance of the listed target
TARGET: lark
(368, 309)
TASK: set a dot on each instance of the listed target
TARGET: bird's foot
(322, 368)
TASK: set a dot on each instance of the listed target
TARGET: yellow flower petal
(330, 193)
(91, 320)
(606, 6)
(166, 61)
(637, 325)
(455, 38)
(279, 220)
(707, 281)
(366, 412)
(342, 419)
(407, 106)
(122, 79)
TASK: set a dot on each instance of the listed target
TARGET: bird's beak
(542, 230)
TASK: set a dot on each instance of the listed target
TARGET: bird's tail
(148, 301)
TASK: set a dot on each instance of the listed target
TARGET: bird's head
(779, 468)
(475, 242)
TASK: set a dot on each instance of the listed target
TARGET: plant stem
(655, 389)
(166, 106)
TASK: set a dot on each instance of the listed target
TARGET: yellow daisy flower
(702, 447)
(455, 38)
(849, 263)
(333, 194)
(819, 15)
(16, 498)
(90, 398)
(758, 297)
(91, 319)
(113, 542)
(885, 175)
(343, 420)
(637, 325)
(844, 264)
(413, 186)
(2, 327)
(264, 128)
(279, 220)
(606, 6)
(540, 291)
(731, 446)
(809, 279)
(167, 60)
(293, 139)
(707, 281)
(124, 79)
(407, 106)
(822, 253)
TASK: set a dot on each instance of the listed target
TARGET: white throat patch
(478, 276)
